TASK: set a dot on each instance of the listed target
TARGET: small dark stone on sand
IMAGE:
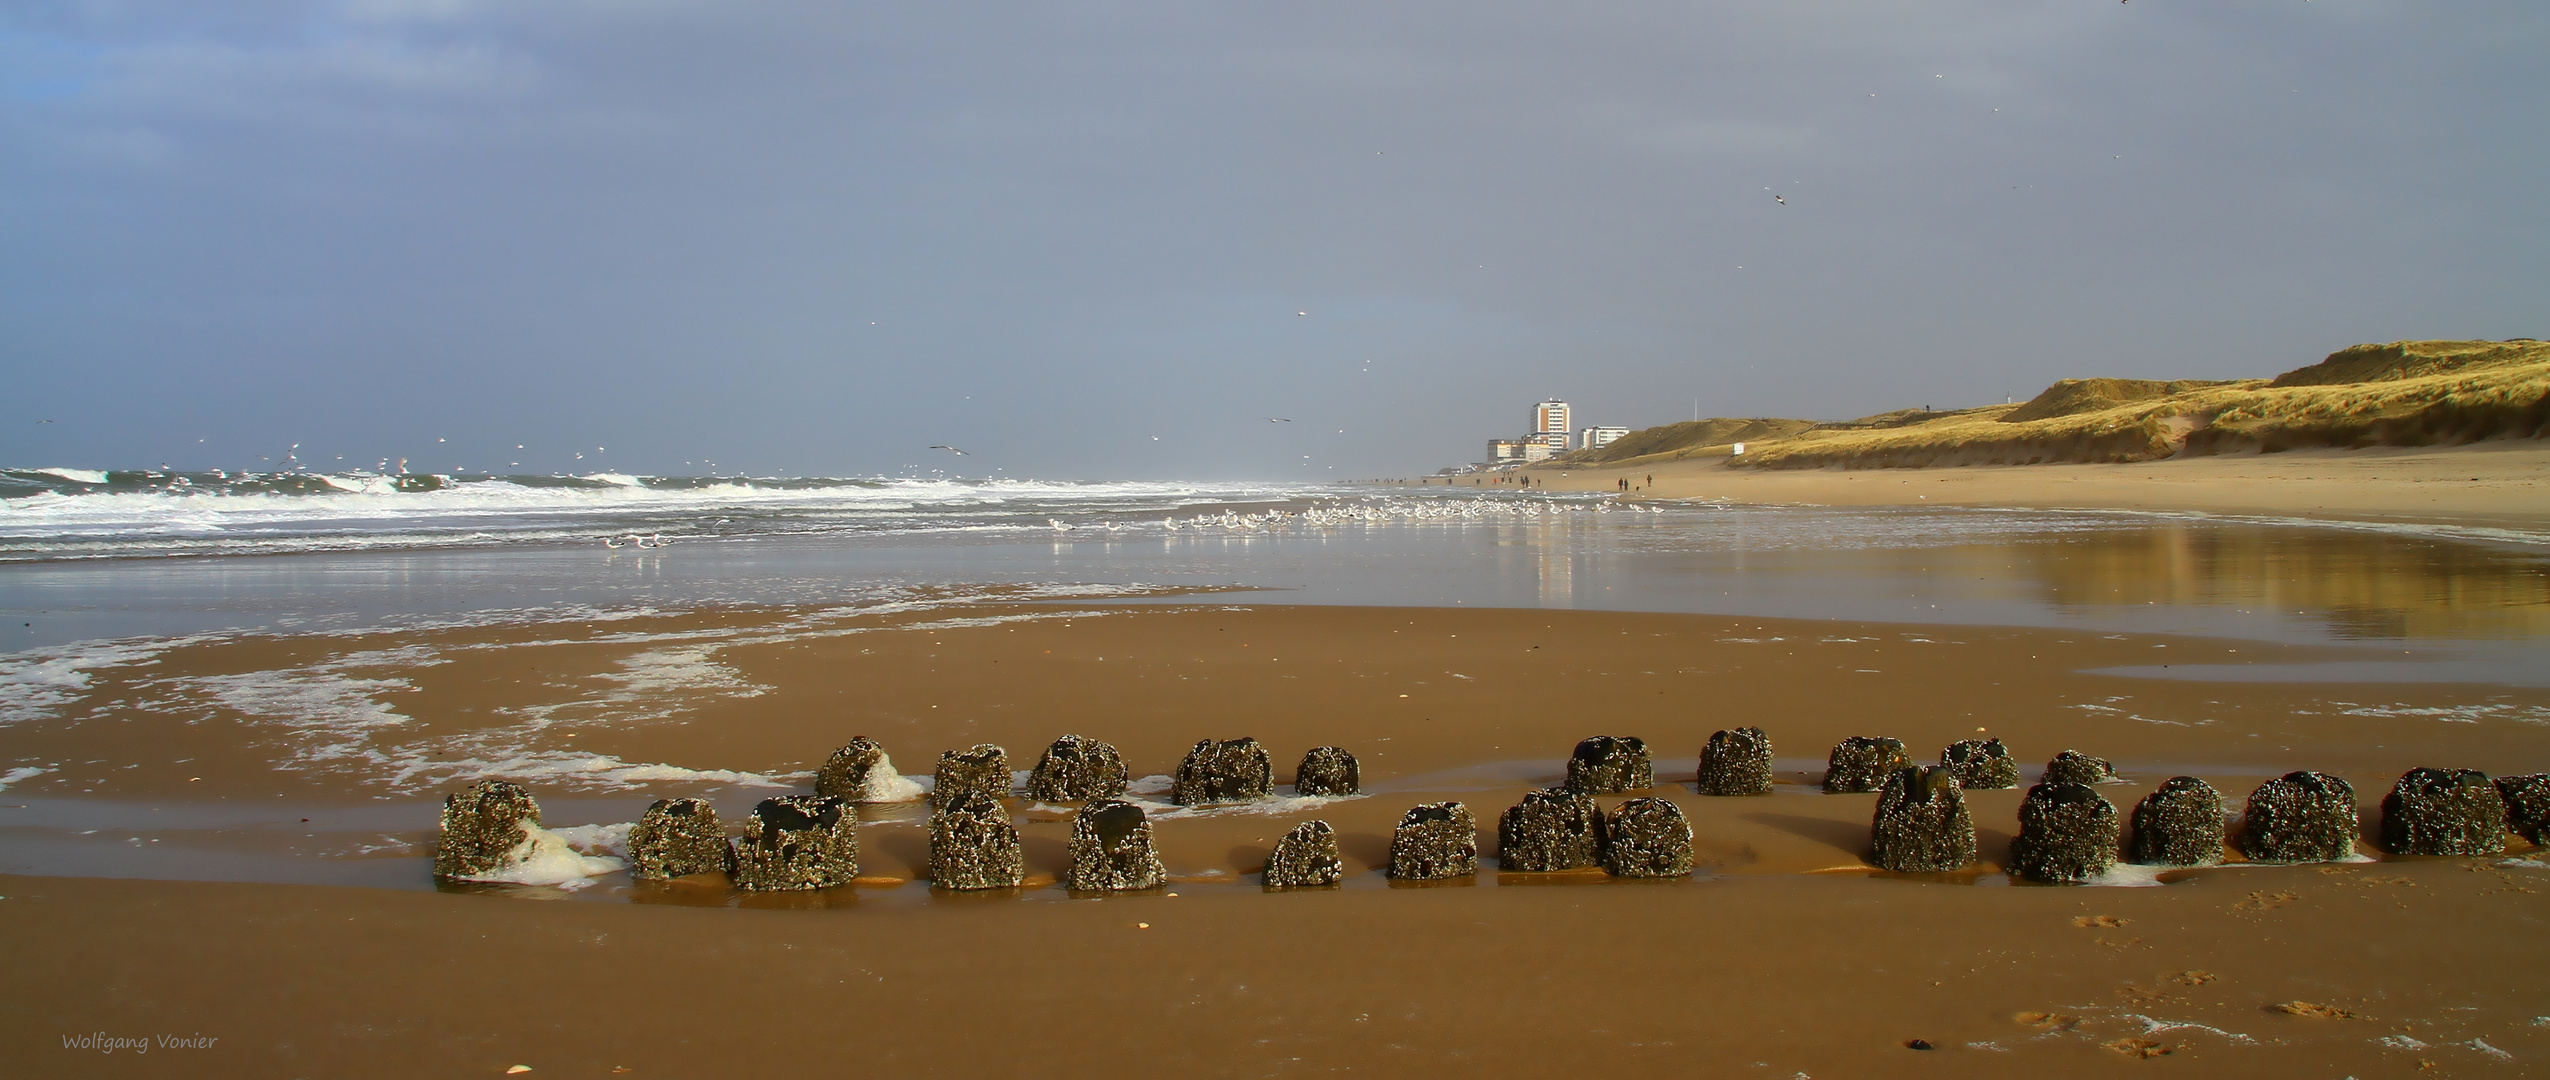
(851, 772)
(1306, 858)
(1736, 762)
(1111, 849)
(2075, 767)
(1980, 764)
(1922, 825)
(481, 825)
(798, 842)
(2067, 833)
(2299, 817)
(982, 769)
(1647, 838)
(974, 845)
(1862, 763)
(2179, 825)
(2527, 805)
(1435, 841)
(1551, 829)
(1077, 769)
(1233, 770)
(2444, 812)
(1609, 765)
(1328, 771)
(1916, 1044)
(679, 837)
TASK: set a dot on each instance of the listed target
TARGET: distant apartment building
(1520, 451)
(1550, 424)
(1593, 437)
(1549, 437)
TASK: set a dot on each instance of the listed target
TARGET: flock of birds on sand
(1312, 517)
(1339, 514)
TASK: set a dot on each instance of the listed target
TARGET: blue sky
(819, 237)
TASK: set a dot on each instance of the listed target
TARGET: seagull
(1275, 419)
(1780, 199)
(952, 450)
(1300, 313)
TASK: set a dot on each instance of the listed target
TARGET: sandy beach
(1787, 953)
(772, 540)
(2504, 484)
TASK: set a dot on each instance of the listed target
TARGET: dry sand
(2493, 485)
(1786, 956)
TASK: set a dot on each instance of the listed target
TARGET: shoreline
(2494, 485)
(1767, 956)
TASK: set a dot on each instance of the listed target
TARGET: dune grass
(2407, 393)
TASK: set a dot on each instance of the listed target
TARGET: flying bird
(1275, 419)
(1301, 313)
(1780, 199)
(952, 450)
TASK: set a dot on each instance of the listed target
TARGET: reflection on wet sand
(2361, 585)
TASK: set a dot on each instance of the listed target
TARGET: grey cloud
(819, 237)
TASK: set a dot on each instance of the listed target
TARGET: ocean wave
(69, 514)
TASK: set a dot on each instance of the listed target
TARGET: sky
(1109, 240)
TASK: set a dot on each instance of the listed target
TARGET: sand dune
(2408, 393)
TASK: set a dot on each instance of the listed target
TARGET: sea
(104, 571)
(96, 556)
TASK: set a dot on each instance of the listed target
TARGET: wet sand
(2486, 485)
(1786, 950)
(1771, 977)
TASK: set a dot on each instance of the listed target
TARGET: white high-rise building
(1592, 437)
(1549, 424)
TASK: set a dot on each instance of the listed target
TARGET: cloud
(696, 229)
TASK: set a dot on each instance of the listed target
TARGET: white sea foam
(33, 684)
(658, 674)
(415, 768)
(331, 714)
(547, 857)
(2153, 1027)
(364, 484)
(2131, 876)
(612, 839)
(79, 476)
(2454, 714)
(1275, 806)
(888, 786)
(27, 772)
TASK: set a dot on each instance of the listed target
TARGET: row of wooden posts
(2068, 831)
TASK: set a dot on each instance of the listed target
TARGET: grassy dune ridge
(2405, 393)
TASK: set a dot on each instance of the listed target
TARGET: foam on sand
(33, 684)
(885, 785)
(549, 857)
(2125, 875)
(28, 772)
(612, 839)
(413, 769)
